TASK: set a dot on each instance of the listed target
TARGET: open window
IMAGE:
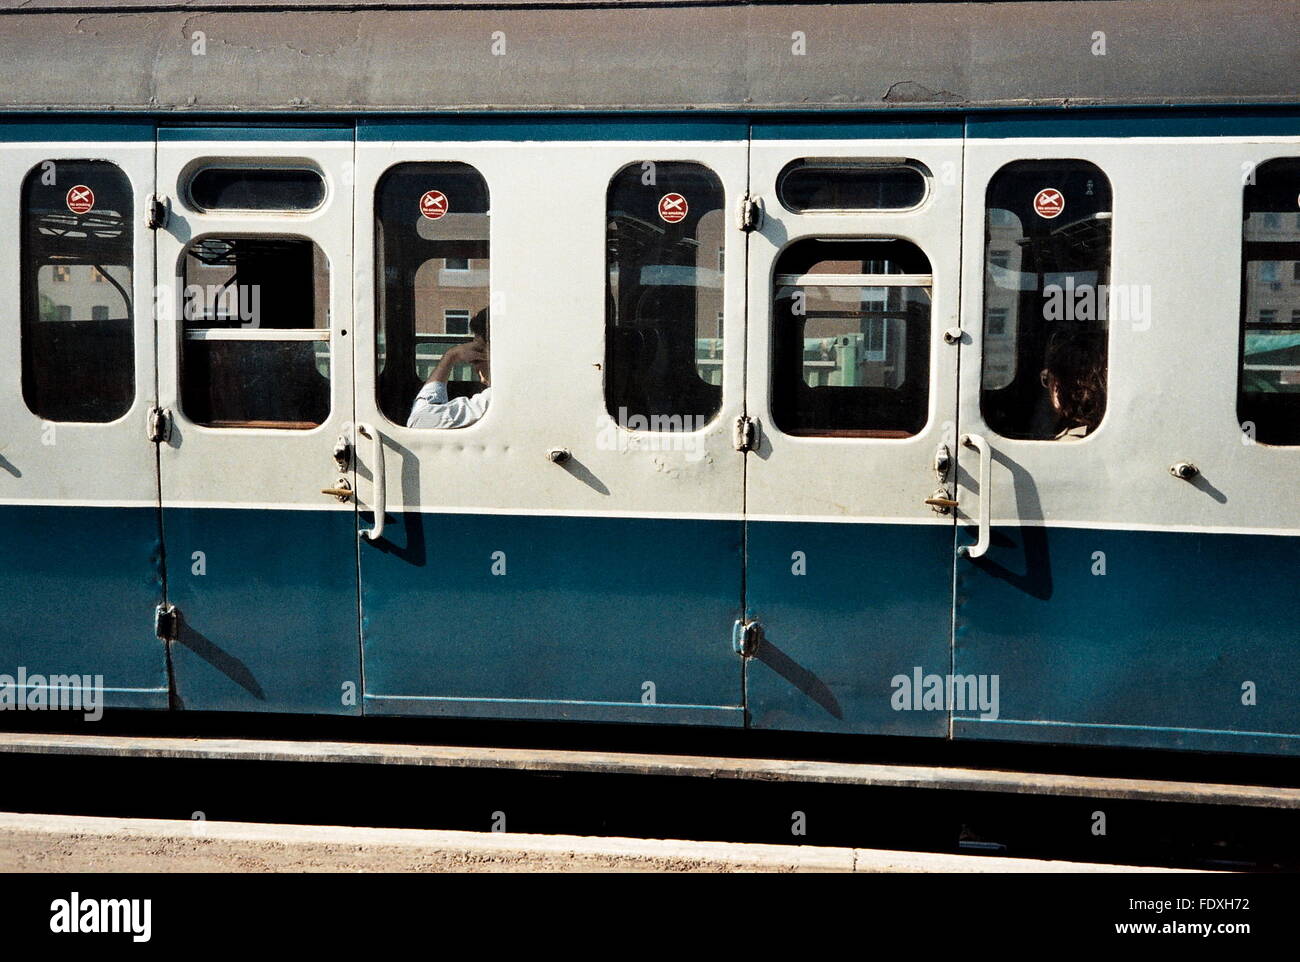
(256, 338)
(851, 338)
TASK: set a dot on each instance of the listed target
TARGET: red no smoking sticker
(1049, 202)
(672, 208)
(433, 204)
(81, 199)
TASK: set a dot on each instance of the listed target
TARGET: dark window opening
(257, 188)
(432, 277)
(1046, 299)
(663, 346)
(806, 185)
(78, 321)
(1268, 397)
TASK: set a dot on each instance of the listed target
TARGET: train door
(1130, 416)
(255, 329)
(78, 476)
(557, 524)
(852, 378)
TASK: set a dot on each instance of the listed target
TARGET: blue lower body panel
(268, 610)
(598, 619)
(874, 602)
(1136, 638)
(80, 586)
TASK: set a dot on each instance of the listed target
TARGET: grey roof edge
(652, 57)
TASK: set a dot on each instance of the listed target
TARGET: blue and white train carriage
(921, 369)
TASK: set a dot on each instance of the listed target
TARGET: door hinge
(745, 637)
(746, 436)
(160, 424)
(167, 622)
(751, 213)
(157, 211)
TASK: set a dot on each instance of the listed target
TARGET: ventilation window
(836, 185)
(257, 188)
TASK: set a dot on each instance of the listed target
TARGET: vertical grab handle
(368, 431)
(981, 545)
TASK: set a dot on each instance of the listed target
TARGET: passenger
(1074, 375)
(432, 408)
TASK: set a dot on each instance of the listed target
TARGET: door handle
(981, 545)
(342, 490)
(376, 531)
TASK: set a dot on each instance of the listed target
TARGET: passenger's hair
(1077, 359)
(478, 325)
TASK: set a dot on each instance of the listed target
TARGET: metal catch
(746, 436)
(166, 622)
(745, 637)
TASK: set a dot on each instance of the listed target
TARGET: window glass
(1268, 400)
(846, 185)
(851, 338)
(663, 338)
(256, 346)
(257, 188)
(77, 336)
(432, 262)
(1047, 299)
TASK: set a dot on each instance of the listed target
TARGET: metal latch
(157, 211)
(746, 436)
(159, 425)
(343, 452)
(745, 637)
(751, 213)
(167, 622)
(942, 462)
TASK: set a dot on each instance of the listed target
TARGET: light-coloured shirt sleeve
(432, 409)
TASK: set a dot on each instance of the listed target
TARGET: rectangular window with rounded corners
(432, 291)
(851, 338)
(256, 188)
(1268, 393)
(78, 319)
(1047, 299)
(852, 185)
(255, 350)
(665, 224)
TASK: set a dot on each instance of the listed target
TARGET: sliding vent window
(432, 287)
(663, 306)
(256, 351)
(257, 188)
(1047, 299)
(77, 340)
(851, 339)
(812, 185)
(1268, 399)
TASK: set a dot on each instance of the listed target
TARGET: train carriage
(919, 369)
